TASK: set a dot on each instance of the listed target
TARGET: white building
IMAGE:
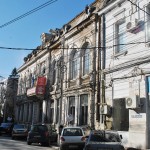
(126, 69)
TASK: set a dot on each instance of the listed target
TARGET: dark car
(41, 133)
(103, 139)
(19, 130)
(6, 128)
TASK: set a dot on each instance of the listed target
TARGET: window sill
(124, 53)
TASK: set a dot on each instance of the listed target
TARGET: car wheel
(29, 143)
(12, 137)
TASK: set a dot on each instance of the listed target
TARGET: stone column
(44, 111)
(55, 110)
(35, 118)
(25, 112)
(76, 109)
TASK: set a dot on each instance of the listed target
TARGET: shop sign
(31, 91)
(40, 89)
(137, 121)
(41, 81)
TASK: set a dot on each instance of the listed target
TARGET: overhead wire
(93, 47)
(27, 13)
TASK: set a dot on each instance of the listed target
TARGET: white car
(72, 138)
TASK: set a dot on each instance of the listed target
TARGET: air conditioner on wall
(132, 25)
(105, 109)
(133, 102)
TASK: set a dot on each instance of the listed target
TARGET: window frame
(86, 59)
(72, 108)
(84, 109)
(120, 48)
(74, 64)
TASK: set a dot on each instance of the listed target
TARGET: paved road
(6, 143)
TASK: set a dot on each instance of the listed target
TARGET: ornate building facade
(68, 60)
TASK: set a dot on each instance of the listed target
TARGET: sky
(26, 32)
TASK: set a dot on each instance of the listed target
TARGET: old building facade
(67, 61)
(96, 69)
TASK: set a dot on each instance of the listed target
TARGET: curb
(54, 147)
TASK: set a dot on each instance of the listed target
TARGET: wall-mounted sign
(41, 81)
(40, 89)
(31, 91)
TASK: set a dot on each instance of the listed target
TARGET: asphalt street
(6, 143)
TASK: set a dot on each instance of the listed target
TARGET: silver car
(19, 130)
(72, 138)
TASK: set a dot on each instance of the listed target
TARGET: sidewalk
(54, 146)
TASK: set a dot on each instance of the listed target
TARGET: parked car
(41, 133)
(99, 140)
(19, 130)
(6, 128)
(72, 137)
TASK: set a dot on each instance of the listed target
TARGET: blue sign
(148, 84)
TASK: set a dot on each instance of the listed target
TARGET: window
(43, 68)
(86, 59)
(84, 110)
(120, 36)
(148, 23)
(72, 108)
(54, 72)
(32, 78)
(74, 65)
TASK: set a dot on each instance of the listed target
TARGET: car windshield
(6, 124)
(105, 137)
(37, 128)
(16, 126)
(72, 132)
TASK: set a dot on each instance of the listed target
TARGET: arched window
(86, 59)
(74, 65)
(54, 72)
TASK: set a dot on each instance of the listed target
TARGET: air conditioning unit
(133, 102)
(105, 109)
(132, 25)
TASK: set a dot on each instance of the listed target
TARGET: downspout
(98, 101)
(48, 96)
(94, 76)
(103, 63)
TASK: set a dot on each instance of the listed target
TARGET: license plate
(37, 136)
(73, 146)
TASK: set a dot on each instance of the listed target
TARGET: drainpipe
(98, 71)
(103, 63)
(94, 77)
(48, 86)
